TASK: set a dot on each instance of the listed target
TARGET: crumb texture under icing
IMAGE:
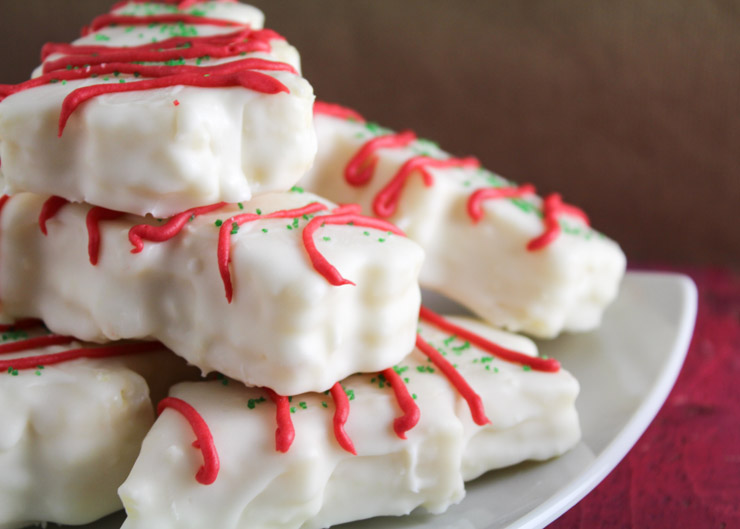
(317, 482)
(287, 327)
(199, 138)
(517, 261)
(72, 431)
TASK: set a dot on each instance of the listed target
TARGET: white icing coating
(288, 328)
(165, 150)
(316, 483)
(72, 431)
(484, 266)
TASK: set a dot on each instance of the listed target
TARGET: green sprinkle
(400, 369)
(406, 380)
(101, 37)
(486, 359)
(292, 409)
(526, 368)
(303, 405)
(192, 218)
(64, 82)
(295, 223)
(264, 230)
(425, 369)
(449, 340)
(324, 404)
(289, 227)
(290, 399)
(122, 80)
(327, 238)
(495, 369)
(366, 233)
(219, 222)
(241, 206)
(460, 348)
(413, 396)
(259, 211)
(296, 189)
(381, 240)
(234, 228)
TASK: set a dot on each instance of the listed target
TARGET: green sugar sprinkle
(234, 228)
(296, 189)
(259, 211)
(290, 399)
(218, 223)
(406, 380)
(327, 238)
(400, 369)
(381, 240)
(449, 340)
(303, 405)
(264, 230)
(252, 403)
(101, 37)
(413, 396)
(192, 218)
(292, 409)
(289, 227)
(366, 233)
(295, 223)
(425, 369)
(460, 348)
(486, 359)
(241, 206)
(324, 404)
(526, 368)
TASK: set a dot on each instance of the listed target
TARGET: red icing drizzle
(337, 111)
(341, 413)
(3, 200)
(386, 201)
(361, 167)
(252, 80)
(224, 236)
(141, 232)
(475, 202)
(33, 343)
(475, 403)
(411, 413)
(320, 264)
(110, 19)
(539, 364)
(94, 216)
(204, 439)
(553, 208)
(174, 48)
(50, 208)
(104, 351)
(285, 432)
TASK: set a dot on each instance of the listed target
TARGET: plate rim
(567, 496)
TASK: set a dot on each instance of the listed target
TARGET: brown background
(631, 109)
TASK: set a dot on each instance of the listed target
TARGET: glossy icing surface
(71, 431)
(317, 482)
(287, 327)
(481, 253)
(187, 142)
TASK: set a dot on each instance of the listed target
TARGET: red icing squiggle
(3, 200)
(475, 403)
(172, 49)
(386, 201)
(475, 202)
(285, 432)
(33, 343)
(110, 19)
(337, 111)
(204, 438)
(252, 80)
(319, 262)
(361, 167)
(411, 412)
(224, 237)
(341, 413)
(50, 208)
(538, 364)
(553, 208)
(94, 217)
(141, 232)
(105, 351)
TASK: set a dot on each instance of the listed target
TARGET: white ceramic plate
(626, 370)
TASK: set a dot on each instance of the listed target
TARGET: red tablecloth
(685, 470)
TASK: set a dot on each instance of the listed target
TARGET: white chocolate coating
(486, 266)
(72, 431)
(166, 150)
(316, 483)
(288, 328)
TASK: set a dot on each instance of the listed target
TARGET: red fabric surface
(684, 472)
